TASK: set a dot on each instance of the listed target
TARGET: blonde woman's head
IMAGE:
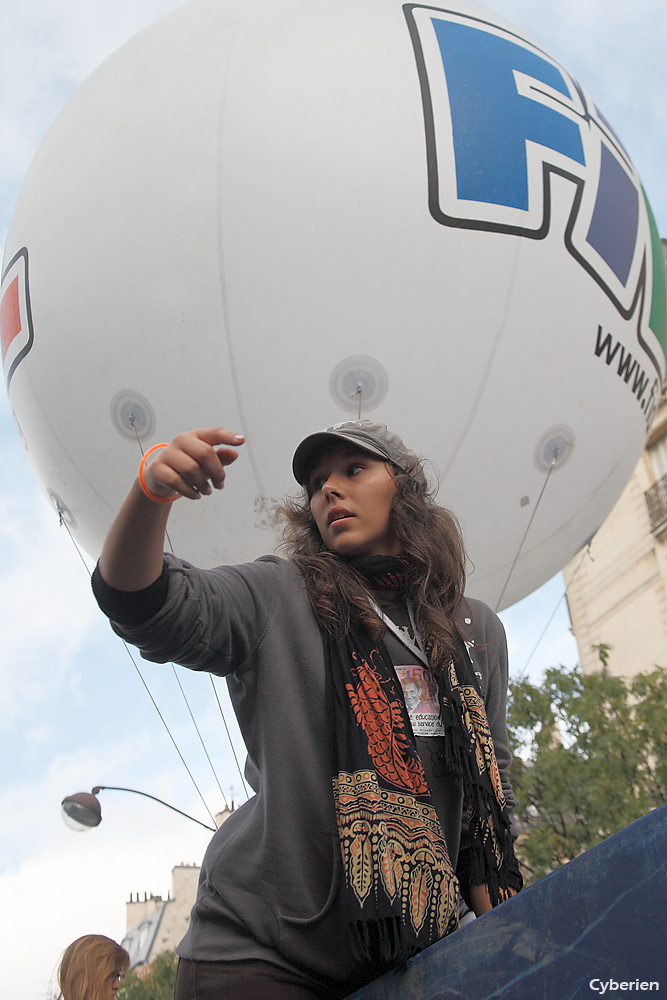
(92, 968)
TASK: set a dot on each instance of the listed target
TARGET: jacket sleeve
(211, 619)
(489, 654)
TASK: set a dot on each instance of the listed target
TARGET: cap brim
(307, 451)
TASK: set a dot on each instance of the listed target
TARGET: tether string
(525, 534)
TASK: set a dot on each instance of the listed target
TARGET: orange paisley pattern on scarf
(382, 721)
(477, 724)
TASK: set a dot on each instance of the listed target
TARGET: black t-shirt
(446, 789)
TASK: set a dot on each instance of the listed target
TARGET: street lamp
(82, 811)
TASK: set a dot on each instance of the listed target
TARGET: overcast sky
(73, 711)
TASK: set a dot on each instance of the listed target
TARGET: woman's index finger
(220, 435)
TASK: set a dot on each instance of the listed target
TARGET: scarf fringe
(484, 868)
(381, 939)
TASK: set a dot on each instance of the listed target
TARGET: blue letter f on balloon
(513, 143)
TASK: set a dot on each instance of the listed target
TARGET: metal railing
(656, 501)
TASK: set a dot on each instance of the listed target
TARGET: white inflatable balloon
(253, 208)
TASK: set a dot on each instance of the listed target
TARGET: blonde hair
(87, 966)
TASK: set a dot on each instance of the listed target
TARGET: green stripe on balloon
(658, 319)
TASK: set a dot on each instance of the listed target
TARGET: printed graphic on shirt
(421, 700)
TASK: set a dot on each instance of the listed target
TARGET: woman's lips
(338, 514)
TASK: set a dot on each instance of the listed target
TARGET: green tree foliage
(590, 757)
(152, 982)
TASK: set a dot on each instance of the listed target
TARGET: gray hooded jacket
(270, 883)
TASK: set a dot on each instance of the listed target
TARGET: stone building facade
(617, 592)
(155, 925)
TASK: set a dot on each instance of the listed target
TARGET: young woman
(370, 819)
(92, 968)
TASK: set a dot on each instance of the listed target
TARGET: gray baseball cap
(363, 434)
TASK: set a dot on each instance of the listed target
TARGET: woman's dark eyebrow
(346, 455)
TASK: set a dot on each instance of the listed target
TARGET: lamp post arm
(116, 788)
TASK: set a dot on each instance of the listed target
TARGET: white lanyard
(415, 646)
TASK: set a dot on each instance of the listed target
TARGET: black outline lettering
(639, 296)
(23, 252)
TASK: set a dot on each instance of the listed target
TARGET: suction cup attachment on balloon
(558, 443)
(359, 383)
(132, 415)
(62, 510)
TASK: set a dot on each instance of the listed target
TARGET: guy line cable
(229, 736)
(201, 738)
(148, 691)
(62, 523)
(552, 465)
(586, 552)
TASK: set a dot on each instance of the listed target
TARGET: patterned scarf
(402, 892)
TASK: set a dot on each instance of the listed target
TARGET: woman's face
(112, 985)
(350, 499)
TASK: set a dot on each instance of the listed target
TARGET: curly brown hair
(431, 543)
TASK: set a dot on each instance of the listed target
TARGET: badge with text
(421, 700)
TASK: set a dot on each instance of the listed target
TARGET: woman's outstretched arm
(192, 465)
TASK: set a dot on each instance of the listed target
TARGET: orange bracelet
(142, 479)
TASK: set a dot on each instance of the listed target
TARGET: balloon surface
(263, 215)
